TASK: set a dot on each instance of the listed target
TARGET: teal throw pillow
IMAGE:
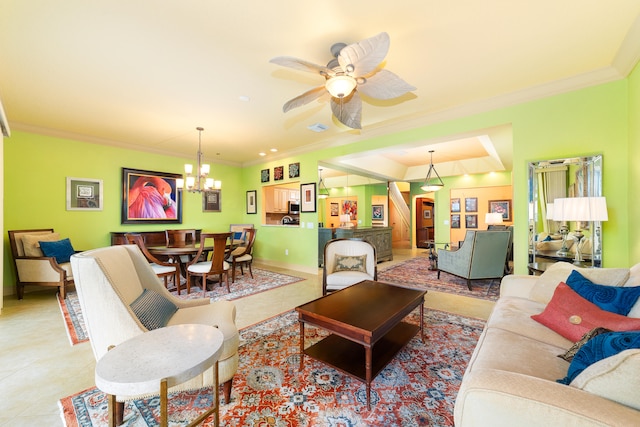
(615, 299)
(351, 263)
(598, 348)
(61, 250)
(153, 310)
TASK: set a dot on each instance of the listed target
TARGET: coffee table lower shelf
(349, 356)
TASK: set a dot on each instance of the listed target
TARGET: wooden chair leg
(226, 390)
(119, 413)
(250, 271)
(226, 274)
(469, 284)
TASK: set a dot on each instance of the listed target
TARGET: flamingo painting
(150, 197)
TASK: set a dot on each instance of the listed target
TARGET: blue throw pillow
(60, 250)
(598, 348)
(610, 298)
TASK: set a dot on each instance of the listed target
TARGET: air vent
(318, 127)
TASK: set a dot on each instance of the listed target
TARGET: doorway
(425, 229)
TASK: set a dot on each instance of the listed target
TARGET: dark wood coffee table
(367, 331)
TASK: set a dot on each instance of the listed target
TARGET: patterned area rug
(263, 280)
(417, 388)
(415, 273)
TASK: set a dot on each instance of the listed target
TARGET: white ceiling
(145, 73)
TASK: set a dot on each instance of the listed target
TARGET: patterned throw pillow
(153, 310)
(568, 355)
(611, 298)
(351, 263)
(598, 348)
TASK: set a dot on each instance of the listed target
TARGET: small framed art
(455, 205)
(377, 212)
(252, 205)
(471, 204)
(294, 170)
(211, 201)
(308, 197)
(455, 221)
(335, 209)
(471, 221)
(84, 194)
(278, 173)
(264, 175)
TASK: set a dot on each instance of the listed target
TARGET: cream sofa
(511, 377)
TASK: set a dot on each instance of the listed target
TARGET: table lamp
(493, 219)
(345, 221)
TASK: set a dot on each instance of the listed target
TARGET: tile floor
(38, 366)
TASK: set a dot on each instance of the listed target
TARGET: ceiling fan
(354, 69)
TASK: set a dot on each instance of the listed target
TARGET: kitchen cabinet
(277, 199)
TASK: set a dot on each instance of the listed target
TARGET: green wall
(602, 119)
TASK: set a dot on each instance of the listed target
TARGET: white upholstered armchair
(112, 281)
(347, 262)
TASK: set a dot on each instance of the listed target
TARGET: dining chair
(163, 269)
(216, 267)
(242, 255)
(181, 237)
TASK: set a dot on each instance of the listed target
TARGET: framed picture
(455, 205)
(471, 204)
(278, 173)
(350, 207)
(455, 221)
(252, 205)
(335, 209)
(501, 206)
(211, 201)
(471, 221)
(150, 197)
(84, 194)
(294, 170)
(377, 212)
(426, 214)
(264, 175)
(308, 197)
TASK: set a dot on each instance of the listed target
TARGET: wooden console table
(151, 238)
(380, 237)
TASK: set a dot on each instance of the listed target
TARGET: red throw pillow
(572, 316)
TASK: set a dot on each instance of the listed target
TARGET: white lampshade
(340, 86)
(208, 183)
(188, 169)
(493, 218)
(580, 209)
(550, 211)
(191, 181)
(345, 218)
(180, 183)
(204, 169)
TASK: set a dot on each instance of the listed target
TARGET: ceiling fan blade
(305, 98)
(385, 85)
(348, 110)
(301, 64)
(365, 55)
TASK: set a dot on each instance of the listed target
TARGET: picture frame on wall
(471, 221)
(426, 214)
(377, 212)
(150, 197)
(211, 201)
(84, 194)
(278, 173)
(294, 170)
(252, 202)
(264, 175)
(335, 209)
(455, 220)
(308, 197)
(501, 206)
(455, 205)
(471, 204)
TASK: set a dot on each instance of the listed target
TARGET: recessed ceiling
(144, 74)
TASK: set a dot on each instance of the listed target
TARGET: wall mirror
(552, 239)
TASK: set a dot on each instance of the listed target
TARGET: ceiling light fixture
(432, 184)
(323, 193)
(195, 184)
(340, 86)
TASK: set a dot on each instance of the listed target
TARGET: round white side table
(156, 360)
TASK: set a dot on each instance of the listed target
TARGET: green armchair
(482, 255)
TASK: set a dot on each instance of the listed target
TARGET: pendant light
(323, 193)
(431, 183)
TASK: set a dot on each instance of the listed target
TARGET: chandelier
(432, 184)
(200, 181)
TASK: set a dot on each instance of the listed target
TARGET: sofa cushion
(572, 316)
(152, 309)
(569, 354)
(615, 299)
(598, 348)
(351, 263)
(61, 250)
(546, 284)
(31, 243)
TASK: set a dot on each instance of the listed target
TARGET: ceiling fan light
(340, 86)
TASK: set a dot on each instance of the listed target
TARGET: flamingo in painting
(150, 197)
